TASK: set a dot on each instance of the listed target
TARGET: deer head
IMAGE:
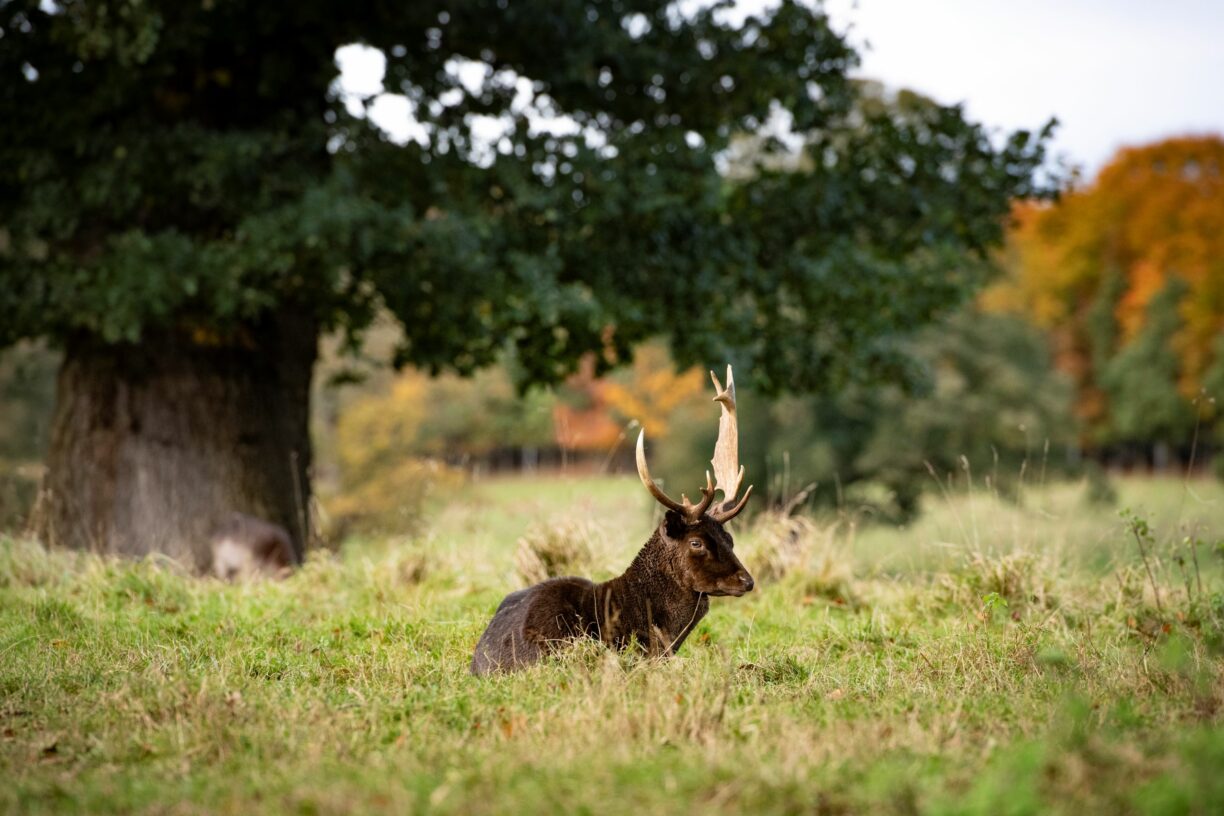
(707, 562)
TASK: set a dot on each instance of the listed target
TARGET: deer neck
(650, 602)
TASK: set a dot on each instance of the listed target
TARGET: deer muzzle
(735, 585)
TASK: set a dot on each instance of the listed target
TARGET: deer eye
(696, 543)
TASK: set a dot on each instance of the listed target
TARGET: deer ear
(674, 526)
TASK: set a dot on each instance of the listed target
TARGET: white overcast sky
(1114, 72)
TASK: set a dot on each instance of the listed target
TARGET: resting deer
(245, 547)
(663, 594)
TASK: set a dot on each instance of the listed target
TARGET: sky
(1114, 72)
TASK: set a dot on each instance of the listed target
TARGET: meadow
(1027, 654)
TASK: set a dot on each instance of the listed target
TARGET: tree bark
(154, 444)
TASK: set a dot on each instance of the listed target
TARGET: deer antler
(690, 511)
(726, 466)
(728, 472)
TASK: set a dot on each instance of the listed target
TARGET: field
(1022, 655)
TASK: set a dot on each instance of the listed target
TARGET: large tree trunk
(153, 445)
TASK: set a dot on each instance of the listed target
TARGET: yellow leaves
(383, 486)
(371, 427)
(653, 390)
(1041, 256)
(202, 336)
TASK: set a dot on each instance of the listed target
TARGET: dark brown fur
(655, 603)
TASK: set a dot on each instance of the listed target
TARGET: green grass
(994, 657)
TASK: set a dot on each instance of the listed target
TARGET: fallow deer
(245, 547)
(663, 594)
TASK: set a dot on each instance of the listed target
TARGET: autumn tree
(1128, 275)
(186, 205)
(395, 446)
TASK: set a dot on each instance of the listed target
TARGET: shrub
(1012, 580)
(551, 550)
(392, 501)
(780, 545)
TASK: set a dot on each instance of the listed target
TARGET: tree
(652, 390)
(996, 411)
(992, 403)
(1141, 381)
(1100, 270)
(187, 205)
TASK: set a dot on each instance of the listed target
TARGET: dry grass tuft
(1019, 577)
(557, 548)
(28, 563)
(781, 546)
(408, 563)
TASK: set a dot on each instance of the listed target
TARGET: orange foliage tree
(593, 413)
(1099, 268)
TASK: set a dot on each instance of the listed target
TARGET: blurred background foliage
(992, 403)
(27, 396)
(1126, 277)
(829, 236)
(1077, 358)
(581, 178)
(1097, 346)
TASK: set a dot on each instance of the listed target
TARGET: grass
(994, 657)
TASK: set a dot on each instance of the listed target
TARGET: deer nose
(747, 581)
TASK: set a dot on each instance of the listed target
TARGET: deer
(662, 596)
(247, 547)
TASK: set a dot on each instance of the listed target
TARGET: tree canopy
(192, 165)
(1128, 275)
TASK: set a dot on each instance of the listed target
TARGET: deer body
(655, 603)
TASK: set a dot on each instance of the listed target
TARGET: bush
(1013, 581)
(392, 500)
(556, 549)
(781, 546)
